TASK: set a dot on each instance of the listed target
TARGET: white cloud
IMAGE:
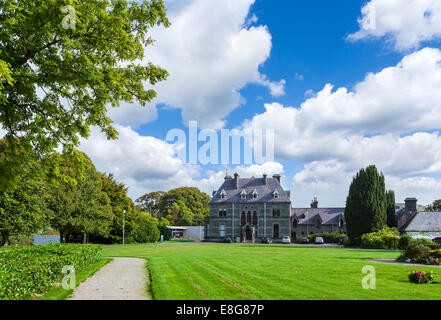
(210, 54)
(404, 23)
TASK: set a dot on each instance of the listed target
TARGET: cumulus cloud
(405, 24)
(210, 55)
(390, 119)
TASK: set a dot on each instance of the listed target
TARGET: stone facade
(253, 208)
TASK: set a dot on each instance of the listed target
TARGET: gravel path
(120, 279)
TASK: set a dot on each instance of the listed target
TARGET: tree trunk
(5, 238)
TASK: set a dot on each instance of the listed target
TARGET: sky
(342, 84)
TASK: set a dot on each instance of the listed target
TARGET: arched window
(295, 223)
(249, 217)
(276, 231)
(223, 213)
(276, 213)
(255, 218)
(243, 219)
(341, 223)
(318, 224)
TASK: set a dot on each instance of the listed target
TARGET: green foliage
(416, 253)
(435, 206)
(77, 203)
(391, 220)
(147, 228)
(424, 242)
(404, 242)
(78, 71)
(420, 277)
(26, 271)
(365, 210)
(163, 230)
(182, 206)
(387, 238)
(328, 237)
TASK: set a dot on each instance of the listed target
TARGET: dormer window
(223, 194)
(318, 223)
(276, 194)
(223, 213)
(243, 194)
(255, 194)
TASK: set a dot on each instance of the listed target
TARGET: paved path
(392, 261)
(120, 279)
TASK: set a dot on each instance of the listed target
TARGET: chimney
(410, 205)
(277, 177)
(264, 178)
(314, 203)
(236, 181)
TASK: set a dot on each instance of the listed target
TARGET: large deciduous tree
(62, 66)
(366, 203)
(150, 203)
(77, 202)
(435, 206)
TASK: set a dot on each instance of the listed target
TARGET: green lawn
(226, 271)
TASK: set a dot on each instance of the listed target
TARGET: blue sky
(236, 52)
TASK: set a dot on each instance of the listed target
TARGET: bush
(328, 237)
(147, 229)
(420, 277)
(416, 253)
(387, 238)
(424, 242)
(404, 242)
(26, 271)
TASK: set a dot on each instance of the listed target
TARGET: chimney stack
(264, 178)
(314, 203)
(277, 177)
(236, 180)
(410, 205)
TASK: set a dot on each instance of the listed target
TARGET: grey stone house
(253, 208)
(413, 220)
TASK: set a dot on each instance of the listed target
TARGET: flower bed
(26, 271)
(420, 277)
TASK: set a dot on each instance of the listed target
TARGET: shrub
(328, 237)
(417, 253)
(26, 271)
(420, 277)
(424, 242)
(387, 238)
(404, 242)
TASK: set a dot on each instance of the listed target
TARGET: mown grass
(226, 271)
(58, 293)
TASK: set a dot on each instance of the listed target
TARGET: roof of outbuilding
(327, 215)
(425, 222)
(264, 191)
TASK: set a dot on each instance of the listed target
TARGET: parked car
(319, 240)
(304, 240)
(286, 239)
(342, 240)
(228, 240)
(267, 240)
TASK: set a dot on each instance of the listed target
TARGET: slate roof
(329, 216)
(264, 191)
(425, 222)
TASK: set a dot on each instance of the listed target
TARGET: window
(276, 231)
(276, 194)
(318, 223)
(249, 217)
(276, 213)
(255, 194)
(243, 219)
(222, 213)
(222, 230)
(243, 194)
(223, 194)
(255, 222)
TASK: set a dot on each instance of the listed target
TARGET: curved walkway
(392, 261)
(121, 279)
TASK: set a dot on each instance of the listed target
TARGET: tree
(62, 66)
(119, 201)
(147, 228)
(365, 210)
(193, 199)
(150, 202)
(77, 202)
(390, 210)
(435, 206)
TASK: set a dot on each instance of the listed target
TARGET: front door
(248, 234)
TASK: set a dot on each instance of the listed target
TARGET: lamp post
(124, 225)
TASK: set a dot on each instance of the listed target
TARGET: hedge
(27, 271)
(328, 237)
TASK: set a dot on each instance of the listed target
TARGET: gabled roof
(329, 216)
(264, 191)
(425, 222)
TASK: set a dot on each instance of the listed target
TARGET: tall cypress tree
(365, 210)
(390, 210)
